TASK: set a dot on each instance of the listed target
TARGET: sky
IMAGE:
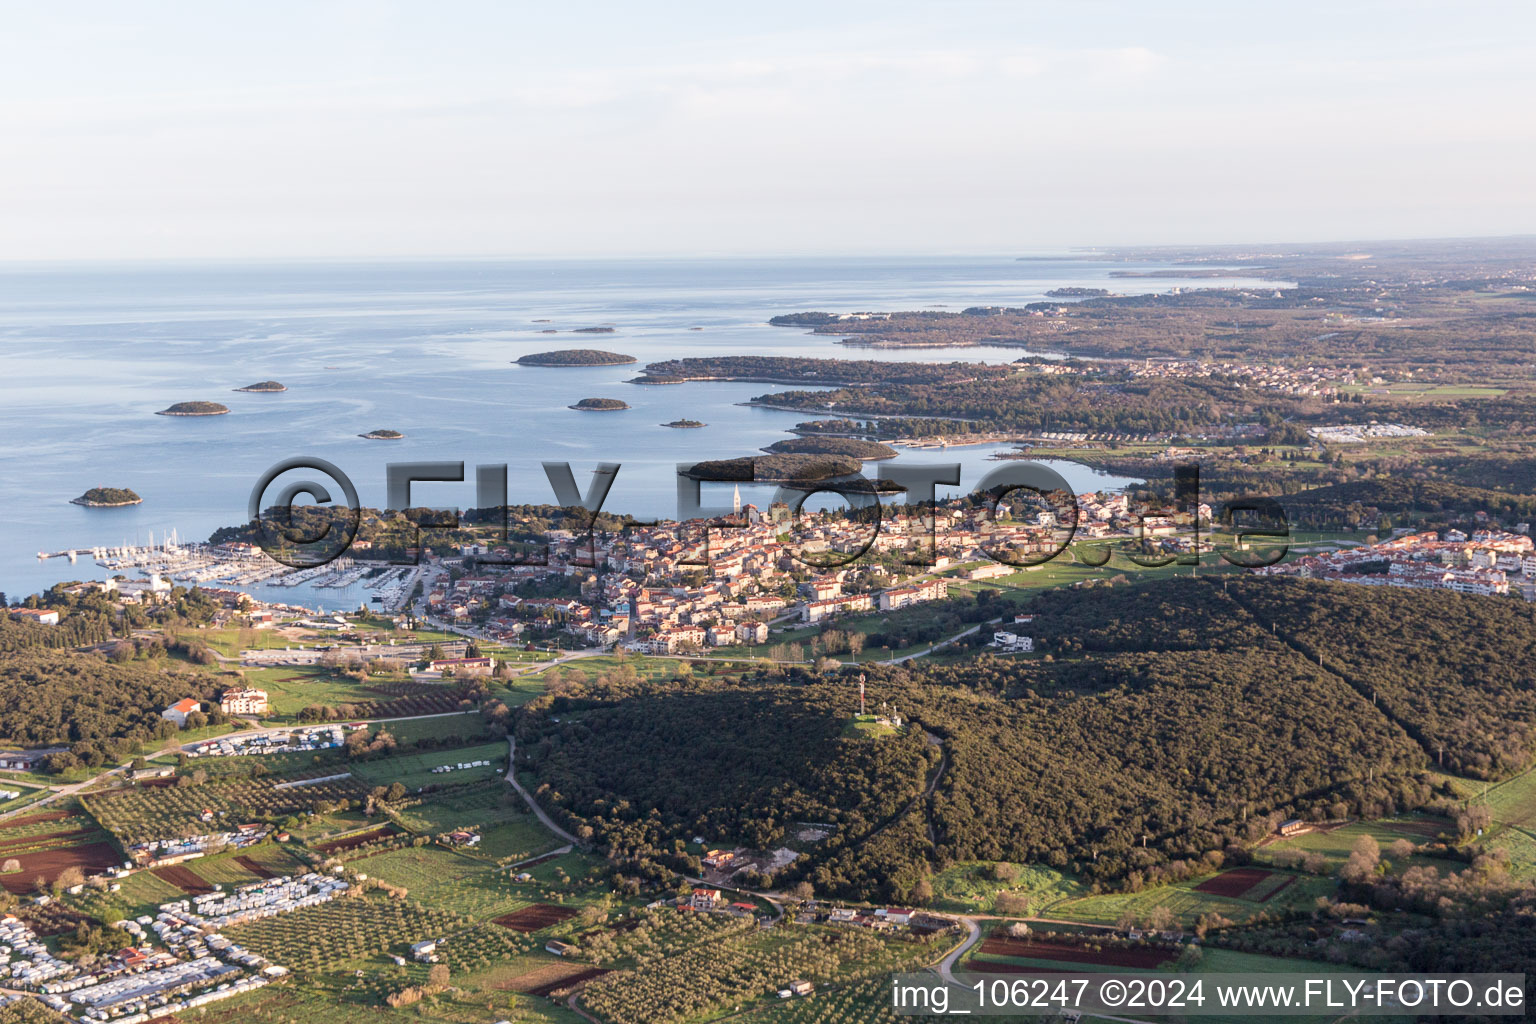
(343, 128)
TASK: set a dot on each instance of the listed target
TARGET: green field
(971, 887)
(1336, 844)
(1186, 902)
(415, 770)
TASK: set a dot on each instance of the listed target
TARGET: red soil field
(1277, 890)
(185, 879)
(993, 967)
(31, 819)
(1037, 949)
(44, 837)
(50, 864)
(255, 867)
(565, 983)
(352, 842)
(1233, 883)
(531, 919)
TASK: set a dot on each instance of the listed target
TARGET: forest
(90, 703)
(1159, 725)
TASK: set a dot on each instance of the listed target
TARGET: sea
(90, 351)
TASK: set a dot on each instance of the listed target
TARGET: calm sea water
(88, 353)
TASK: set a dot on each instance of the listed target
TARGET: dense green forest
(1161, 724)
(90, 703)
(643, 765)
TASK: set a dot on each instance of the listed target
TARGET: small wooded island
(107, 497)
(194, 409)
(684, 424)
(575, 357)
(382, 435)
(600, 405)
(264, 387)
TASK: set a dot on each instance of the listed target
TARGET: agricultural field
(1513, 801)
(489, 802)
(741, 966)
(1188, 901)
(415, 770)
(36, 849)
(331, 934)
(1335, 844)
(346, 999)
(139, 814)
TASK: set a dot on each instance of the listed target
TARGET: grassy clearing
(415, 770)
(972, 887)
(1336, 844)
(1186, 902)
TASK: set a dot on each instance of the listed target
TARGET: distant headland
(576, 357)
(600, 405)
(382, 435)
(107, 497)
(264, 387)
(194, 409)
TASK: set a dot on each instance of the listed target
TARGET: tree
(437, 977)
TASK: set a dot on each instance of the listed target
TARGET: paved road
(528, 799)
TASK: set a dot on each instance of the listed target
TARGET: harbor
(243, 566)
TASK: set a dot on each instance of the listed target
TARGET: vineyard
(745, 965)
(330, 934)
(139, 815)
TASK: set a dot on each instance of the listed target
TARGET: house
(463, 666)
(179, 711)
(801, 988)
(718, 858)
(425, 951)
(1291, 827)
(895, 915)
(752, 632)
(559, 948)
(917, 593)
(41, 616)
(243, 701)
(154, 771)
(704, 899)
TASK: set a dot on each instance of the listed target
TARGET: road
(533, 805)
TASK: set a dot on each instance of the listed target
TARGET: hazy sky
(371, 128)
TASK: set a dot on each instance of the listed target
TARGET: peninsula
(575, 357)
(107, 497)
(194, 409)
